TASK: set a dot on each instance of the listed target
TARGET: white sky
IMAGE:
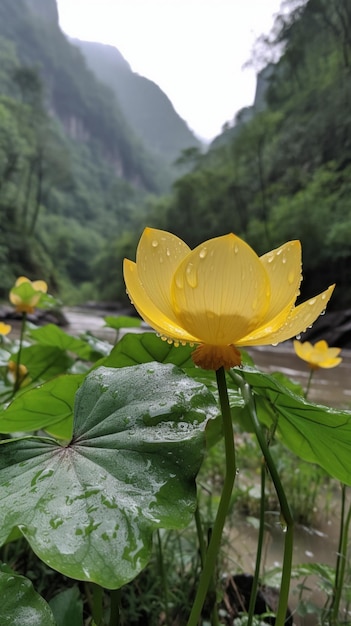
(193, 49)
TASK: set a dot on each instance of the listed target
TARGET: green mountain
(87, 111)
(73, 169)
(147, 109)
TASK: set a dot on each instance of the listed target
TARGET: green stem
(283, 502)
(217, 531)
(163, 577)
(17, 382)
(200, 536)
(97, 602)
(115, 597)
(309, 382)
(341, 558)
(259, 548)
(202, 551)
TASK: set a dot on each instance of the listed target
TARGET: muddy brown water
(331, 387)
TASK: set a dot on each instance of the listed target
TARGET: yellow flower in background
(5, 329)
(26, 295)
(220, 295)
(16, 373)
(318, 355)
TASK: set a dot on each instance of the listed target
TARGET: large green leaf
(20, 604)
(67, 607)
(148, 347)
(145, 347)
(122, 321)
(139, 348)
(313, 432)
(134, 349)
(52, 335)
(45, 362)
(89, 509)
(48, 407)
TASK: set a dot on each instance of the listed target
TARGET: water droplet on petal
(323, 312)
(179, 281)
(284, 259)
(168, 252)
(298, 337)
(236, 249)
(312, 301)
(203, 253)
(191, 275)
(154, 243)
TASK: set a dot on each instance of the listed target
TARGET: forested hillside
(72, 168)
(147, 109)
(286, 172)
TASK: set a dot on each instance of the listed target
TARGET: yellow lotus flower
(26, 295)
(319, 355)
(5, 329)
(220, 295)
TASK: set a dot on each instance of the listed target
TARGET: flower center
(213, 357)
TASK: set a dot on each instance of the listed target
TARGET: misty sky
(193, 49)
